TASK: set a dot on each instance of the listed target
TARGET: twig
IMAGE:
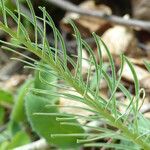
(111, 18)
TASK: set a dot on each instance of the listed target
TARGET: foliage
(6, 97)
(47, 125)
(147, 65)
(49, 122)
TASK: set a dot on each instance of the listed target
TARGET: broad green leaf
(6, 97)
(40, 77)
(46, 125)
(2, 115)
(14, 127)
(8, 142)
(19, 139)
(4, 145)
(18, 113)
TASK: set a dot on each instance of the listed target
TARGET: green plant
(63, 129)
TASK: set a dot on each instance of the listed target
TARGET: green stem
(118, 124)
(126, 132)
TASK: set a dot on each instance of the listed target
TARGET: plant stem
(126, 132)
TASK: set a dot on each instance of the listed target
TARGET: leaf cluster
(41, 105)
